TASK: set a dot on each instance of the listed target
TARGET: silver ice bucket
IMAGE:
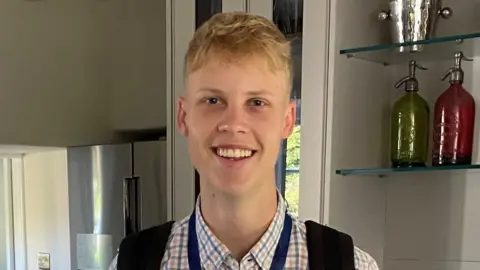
(413, 20)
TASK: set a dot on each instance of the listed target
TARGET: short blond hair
(236, 36)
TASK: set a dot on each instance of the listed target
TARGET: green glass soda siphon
(410, 124)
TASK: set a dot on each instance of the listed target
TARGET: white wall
(46, 208)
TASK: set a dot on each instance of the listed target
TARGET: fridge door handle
(136, 203)
(126, 207)
(131, 205)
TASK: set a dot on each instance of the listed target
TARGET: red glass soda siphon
(454, 118)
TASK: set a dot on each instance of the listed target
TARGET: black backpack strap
(329, 249)
(144, 250)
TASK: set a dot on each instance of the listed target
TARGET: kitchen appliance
(114, 190)
(413, 20)
(454, 120)
(409, 124)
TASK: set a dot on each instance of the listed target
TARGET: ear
(290, 119)
(181, 117)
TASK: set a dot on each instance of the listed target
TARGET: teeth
(233, 153)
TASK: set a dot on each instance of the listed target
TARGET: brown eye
(213, 100)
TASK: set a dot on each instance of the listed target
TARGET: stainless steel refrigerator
(114, 190)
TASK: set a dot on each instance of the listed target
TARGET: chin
(234, 185)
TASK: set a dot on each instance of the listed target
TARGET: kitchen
(91, 152)
(87, 74)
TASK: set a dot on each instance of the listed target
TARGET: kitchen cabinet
(73, 73)
(138, 84)
(55, 71)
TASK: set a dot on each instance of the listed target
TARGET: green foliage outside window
(292, 181)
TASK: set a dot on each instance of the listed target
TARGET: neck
(239, 223)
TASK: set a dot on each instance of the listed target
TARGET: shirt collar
(213, 252)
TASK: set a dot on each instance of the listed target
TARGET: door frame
(316, 113)
(180, 24)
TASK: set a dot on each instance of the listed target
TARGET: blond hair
(236, 36)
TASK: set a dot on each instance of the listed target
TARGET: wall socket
(43, 261)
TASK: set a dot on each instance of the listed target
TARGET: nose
(233, 120)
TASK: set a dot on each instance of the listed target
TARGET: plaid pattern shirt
(214, 255)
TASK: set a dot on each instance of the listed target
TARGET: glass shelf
(440, 48)
(381, 172)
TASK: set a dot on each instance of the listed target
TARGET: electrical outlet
(43, 261)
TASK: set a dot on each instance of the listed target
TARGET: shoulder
(180, 227)
(177, 240)
(363, 260)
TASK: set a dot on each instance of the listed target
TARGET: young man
(235, 113)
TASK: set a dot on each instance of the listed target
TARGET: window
(288, 16)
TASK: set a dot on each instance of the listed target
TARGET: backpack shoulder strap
(329, 249)
(144, 250)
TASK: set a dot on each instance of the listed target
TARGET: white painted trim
(330, 40)
(314, 188)
(19, 218)
(11, 155)
(180, 169)
(7, 205)
(235, 5)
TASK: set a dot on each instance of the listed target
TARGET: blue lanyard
(279, 258)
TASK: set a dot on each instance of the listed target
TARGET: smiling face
(236, 109)
(234, 116)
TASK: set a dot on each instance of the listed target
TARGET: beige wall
(46, 208)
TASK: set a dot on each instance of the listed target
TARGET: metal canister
(413, 20)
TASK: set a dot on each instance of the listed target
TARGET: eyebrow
(210, 90)
(260, 92)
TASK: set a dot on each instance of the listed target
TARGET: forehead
(242, 75)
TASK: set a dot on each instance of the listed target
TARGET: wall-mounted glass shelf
(381, 172)
(435, 49)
